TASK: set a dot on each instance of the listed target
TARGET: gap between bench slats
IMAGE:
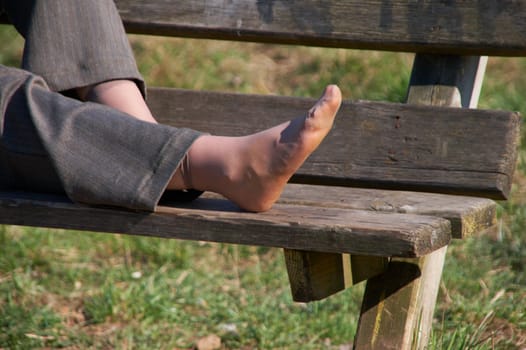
(372, 144)
(452, 27)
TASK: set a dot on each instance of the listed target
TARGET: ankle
(211, 163)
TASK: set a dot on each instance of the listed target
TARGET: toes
(328, 104)
(332, 97)
(321, 115)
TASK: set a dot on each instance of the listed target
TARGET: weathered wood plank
(373, 144)
(391, 326)
(495, 28)
(287, 226)
(316, 275)
(468, 215)
(311, 274)
(453, 27)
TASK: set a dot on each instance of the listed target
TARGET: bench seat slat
(452, 27)
(290, 226)
(468, 215)
(373, 144)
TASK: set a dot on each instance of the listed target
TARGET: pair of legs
(100, 155)
(251, 170)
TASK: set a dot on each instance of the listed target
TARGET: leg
(258, 165)
(99, 155)
(123, 95)
(81, 47)
(74, 44)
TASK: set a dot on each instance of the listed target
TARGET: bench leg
(398, 305)
(315, 276)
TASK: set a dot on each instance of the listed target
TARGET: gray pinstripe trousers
(53, 143)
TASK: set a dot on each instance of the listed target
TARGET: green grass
(61, 289)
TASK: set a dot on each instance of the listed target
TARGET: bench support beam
(316, 275)
(398, 306)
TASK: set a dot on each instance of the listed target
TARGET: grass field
(71, 290)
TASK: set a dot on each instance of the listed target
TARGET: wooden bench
(390, 186)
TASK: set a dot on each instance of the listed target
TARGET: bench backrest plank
(453, 27)
(373, 144)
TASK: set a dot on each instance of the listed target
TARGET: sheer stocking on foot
(252, 170)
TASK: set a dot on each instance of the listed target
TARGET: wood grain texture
(454, 27)
(495, 28)
(451, 74)
(315, 276)
(287, 226)
(394, 301)
(372, 144)
(468, 215)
